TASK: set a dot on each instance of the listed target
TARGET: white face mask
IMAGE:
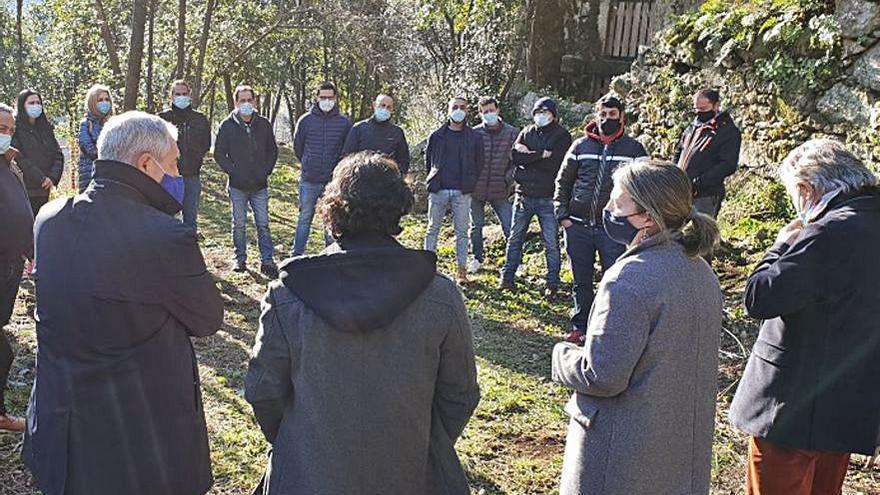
(5, 142)
(326, 105)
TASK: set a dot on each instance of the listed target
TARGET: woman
(363, 373)
(39, 155)
(642, 412)
(99, 108)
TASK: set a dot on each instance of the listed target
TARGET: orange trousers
(777, 470)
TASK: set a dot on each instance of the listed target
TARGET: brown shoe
(462, 277)
(506, 285)
(11, 423)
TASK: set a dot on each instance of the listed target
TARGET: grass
(515, 440)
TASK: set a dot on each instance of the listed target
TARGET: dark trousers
(10, 277)
(778, 470)
(581, 244)
(710, 205)
(37, 202)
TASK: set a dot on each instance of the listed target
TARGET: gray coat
(363, 374)
(642, 412)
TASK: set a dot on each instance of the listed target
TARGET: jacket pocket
(581, 410)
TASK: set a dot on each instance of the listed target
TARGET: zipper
(598, 187)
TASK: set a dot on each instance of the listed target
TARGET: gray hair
(4, 108)
(127, 136)
(826, 165)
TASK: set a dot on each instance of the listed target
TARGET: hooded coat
(363, 373)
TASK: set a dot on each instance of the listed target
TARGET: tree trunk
(151, 108)
(291, 116)
(19, 56)
(203, 46)
(227, 86)
(546, 31)
(109, 41)
(181, 39)
(135, 54)
(277, 105)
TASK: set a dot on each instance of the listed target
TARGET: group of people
(363, 374)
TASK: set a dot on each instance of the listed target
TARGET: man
(708, 151)
(116, 405)
(583, 188)
(453, 159)
(317, 142)
(495, 180)
(808, 396)
(194, 141)
(246, 150)
(537, 154)
(378, 134)
(16, 224)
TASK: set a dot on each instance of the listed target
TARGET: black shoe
(506, 285)
(269, 270)
(239, 266)
(551, 292)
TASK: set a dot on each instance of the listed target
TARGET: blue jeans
(309, 194)
(524, 208)
(259, 203)
(503, 210)
(192, 196)
(438, 203)
(581, 243)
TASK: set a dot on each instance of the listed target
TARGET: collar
(142, 186)
(592, 132)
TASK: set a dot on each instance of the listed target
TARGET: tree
(135, 54)
(109, 40)
(19, 55)
(179, 71)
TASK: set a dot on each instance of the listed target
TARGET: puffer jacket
(89, 130)
(318, 140)
(497, 175)
(584, 183)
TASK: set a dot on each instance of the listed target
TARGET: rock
(525, 105)
(875, 115)
(843, 104)
(867, 69)
(857, 17)
(852, 48)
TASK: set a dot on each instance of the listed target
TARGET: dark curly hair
(367, 195)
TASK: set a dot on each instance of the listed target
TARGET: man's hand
(47, 184)
(10, 154)
(546, 154)
(522, 148)
(789, 233)
(566, 223)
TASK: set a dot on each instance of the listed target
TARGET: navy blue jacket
(714, 154)
(247, 153)
(116, 405)
(812, 379)
(472, 158)
(535, 175)
(382, 137)
(318, 141)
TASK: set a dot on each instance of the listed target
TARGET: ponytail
(699, 234)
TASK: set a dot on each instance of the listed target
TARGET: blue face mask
(246, 109)
(457, 115)
(490, 118)
(182, 102)
(5, 142)
(104, 107)
(382, 114)
(172, 184)
(618, 228)
(34, 111)
(541, 119)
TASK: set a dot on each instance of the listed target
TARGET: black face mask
(706, 116)
(609, 127)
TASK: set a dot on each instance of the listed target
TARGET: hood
(360, 285)
(152, 192)
(592, 131)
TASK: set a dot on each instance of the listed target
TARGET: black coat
(812, 379)
(247, 153)
(535, 176)
(16, 216)
(716, 155)
(382, 137)
(121, 287)
(39, 155)
(193, 138)
(472, 158)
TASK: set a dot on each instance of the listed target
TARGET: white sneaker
(474, 266)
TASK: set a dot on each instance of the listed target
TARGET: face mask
(382, 114)
(182, 102)
(246, 109)
(5, 142)
(609, 127)
(706, 116)
(326, 105)
(809, 213)
(34, 111)
(618, 228)
(173, 185)
(457, 115)
(541, 119)
(490, 118)
(104, 107)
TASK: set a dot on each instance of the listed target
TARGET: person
(116, 405)
(493, 186)
(377, 133)
(99, 108)
(247, 151)
(16, 223)
(644, 383)
(583, 187)
(537, 154)
(194, 141)
(366, 328)
(317, 142)
(453, 160)
(808, 396)
(709, 151)
(39, 154)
